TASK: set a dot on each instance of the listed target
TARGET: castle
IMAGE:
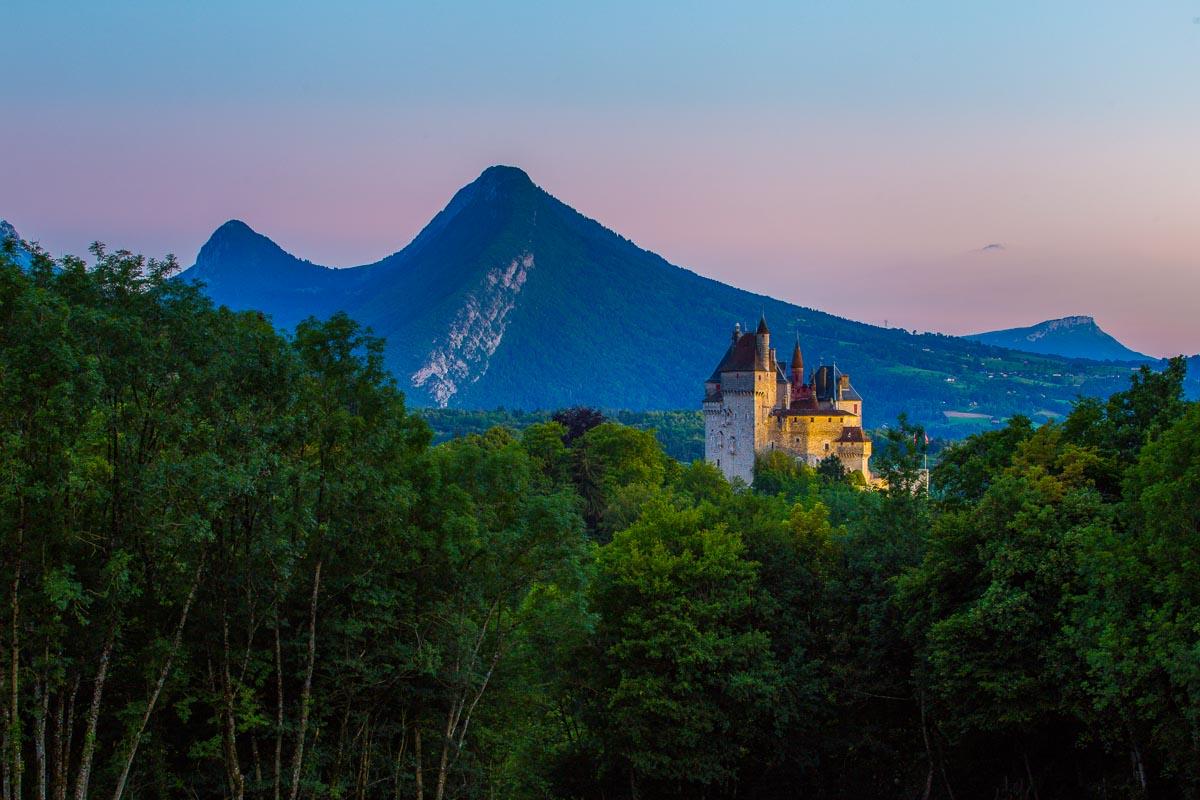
(751, 406)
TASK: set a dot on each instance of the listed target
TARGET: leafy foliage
(235, 564)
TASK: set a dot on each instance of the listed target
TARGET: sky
(948, 166)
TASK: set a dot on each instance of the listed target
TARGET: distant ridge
(1072, 337)
(509, 297)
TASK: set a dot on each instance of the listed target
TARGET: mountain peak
(1076, 321)
(233, 229)
(236, 236)
(500, 181)
(1074, 337)
(501, 173)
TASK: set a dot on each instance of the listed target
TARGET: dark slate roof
(825, 382)
(762, 324)
(853, 434)
(740, 357)
(827, 379)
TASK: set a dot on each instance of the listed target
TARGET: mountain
(1073, 337)
(7, 231)
(511, 298)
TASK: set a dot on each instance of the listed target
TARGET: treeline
(234, 566)
(681, 433)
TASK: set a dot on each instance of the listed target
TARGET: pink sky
(854, 161)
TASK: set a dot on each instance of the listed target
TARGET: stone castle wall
(745, 415)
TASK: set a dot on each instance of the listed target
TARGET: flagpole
(927, 480)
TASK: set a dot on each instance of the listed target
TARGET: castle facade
(751, 406)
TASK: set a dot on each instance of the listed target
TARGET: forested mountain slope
(511, 298)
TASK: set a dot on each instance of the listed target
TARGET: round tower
(762, 348)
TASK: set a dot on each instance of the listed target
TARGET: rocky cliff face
(19, 253)
(1055, 325)
(462, 355)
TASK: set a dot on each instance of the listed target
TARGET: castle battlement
(752, 405)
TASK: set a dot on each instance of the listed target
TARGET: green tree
(684, 675)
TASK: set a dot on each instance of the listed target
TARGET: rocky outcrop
(7, 231)
(462, 355)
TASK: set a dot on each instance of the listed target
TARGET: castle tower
(751, 406)
(797, 368)
(738, 400)
(762, 336)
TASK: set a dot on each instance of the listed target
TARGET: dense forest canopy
(681, 433)
(235, 565)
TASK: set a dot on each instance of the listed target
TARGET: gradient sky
(853, 157)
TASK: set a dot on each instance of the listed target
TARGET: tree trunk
(42, 694)
(88, 749)
(278, 708)
(928, 751)
(340, 752)
(5, 778)
(1029, 774)
(14, 718)
(942, 764)
(257, 761)
(306, 692)
(176, 639)
(364, 765)
(399, 761)
(419, 771)
(56, 745)
(454, 735)
(63, 735)
(443, 763)
(1138, 766)
(237, 782)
